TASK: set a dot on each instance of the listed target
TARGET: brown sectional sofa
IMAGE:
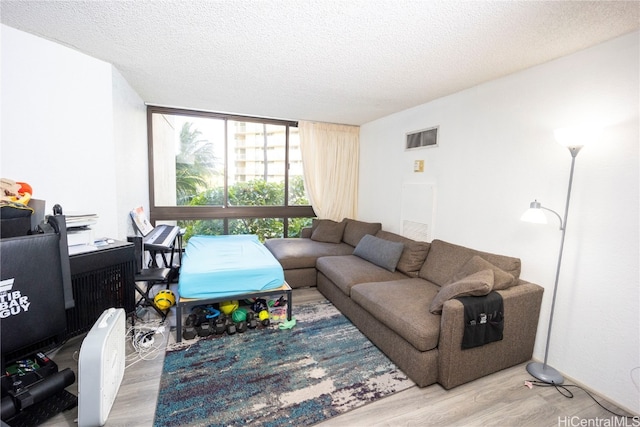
(400, 294)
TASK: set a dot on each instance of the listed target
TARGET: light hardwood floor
(500, 399)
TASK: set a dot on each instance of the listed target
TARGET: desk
(101, 278)
(185, 303)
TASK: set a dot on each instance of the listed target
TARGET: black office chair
(150, 277)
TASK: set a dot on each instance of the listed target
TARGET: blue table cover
(217, 266)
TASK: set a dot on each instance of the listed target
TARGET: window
(224, 174)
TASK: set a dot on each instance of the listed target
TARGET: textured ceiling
(340, 61)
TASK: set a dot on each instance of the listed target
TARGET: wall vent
(422, 138)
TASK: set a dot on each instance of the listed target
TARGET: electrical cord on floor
(53, 351)
(563, 389)
(147, 341)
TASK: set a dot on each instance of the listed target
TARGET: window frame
(226, 212)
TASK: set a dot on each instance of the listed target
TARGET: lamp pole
(542, 371)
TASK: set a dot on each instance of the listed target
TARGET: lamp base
(545, 373)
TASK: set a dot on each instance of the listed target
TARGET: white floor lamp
(574, 139)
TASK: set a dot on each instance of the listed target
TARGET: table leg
(289, 304)
(178, 323)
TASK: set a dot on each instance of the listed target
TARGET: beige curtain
(330, 155)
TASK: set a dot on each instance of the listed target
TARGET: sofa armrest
(306, 232)
(521, 311)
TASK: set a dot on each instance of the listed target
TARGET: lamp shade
(577, 136)
(534, 214)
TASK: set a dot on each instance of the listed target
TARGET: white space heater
(101, 367)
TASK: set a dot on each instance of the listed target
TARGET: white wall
(69, 124)
(130, 141)
(497, 153)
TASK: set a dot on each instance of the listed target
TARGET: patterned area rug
(319, 369)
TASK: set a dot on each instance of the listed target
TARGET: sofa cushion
(413, 255)
(306, 232)
(383, 253)
(294, 252)
(326, 230)
(446, 259)
(477, 284)
(501, 279)
(356, 230)
(400, 305)
(348, 270)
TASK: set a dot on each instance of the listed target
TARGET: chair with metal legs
(146, 278)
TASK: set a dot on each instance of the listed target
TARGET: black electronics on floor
(33, 390)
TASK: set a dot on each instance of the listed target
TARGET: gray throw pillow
(477, 284)
(380, 252)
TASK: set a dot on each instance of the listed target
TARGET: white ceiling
(340, 61)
